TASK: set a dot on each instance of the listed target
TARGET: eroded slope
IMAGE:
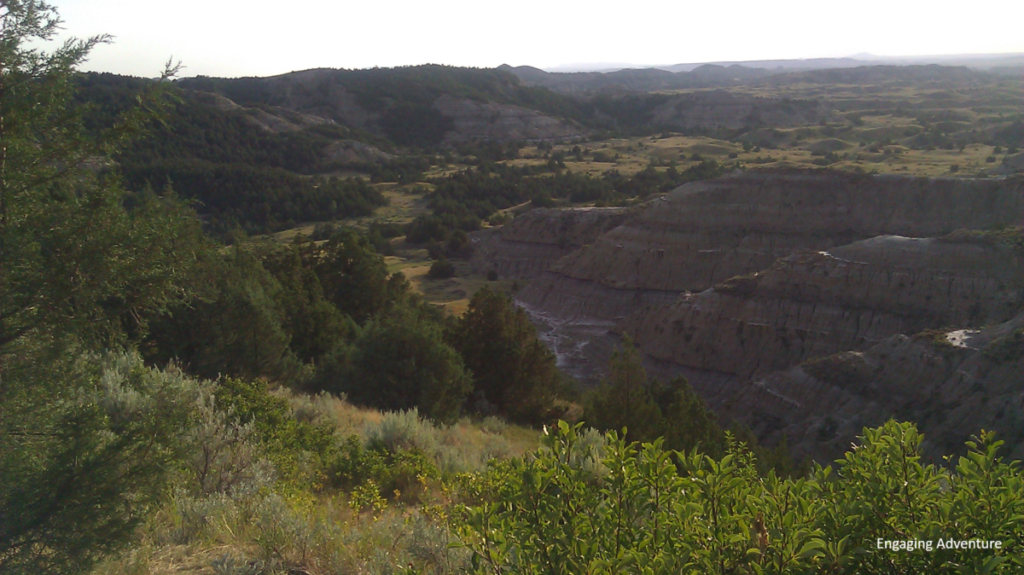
(813, 304)
(707, 232)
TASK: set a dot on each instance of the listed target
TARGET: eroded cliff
(707, 232)
(528, 245)
(737, 282)
(814, 304)
(951, 383)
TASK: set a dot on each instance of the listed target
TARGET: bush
(441, 269)
(298, 449)
(86, 476)
(391, 473)
(645, 514)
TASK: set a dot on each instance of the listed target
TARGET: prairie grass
(281, 529)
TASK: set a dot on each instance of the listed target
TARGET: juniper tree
(78, 271)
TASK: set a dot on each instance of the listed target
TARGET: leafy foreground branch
(580, 507)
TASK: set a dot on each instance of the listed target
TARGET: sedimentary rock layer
(528, 245)
(776, 271)
(707, 232)
(818, 303)
(952, 384)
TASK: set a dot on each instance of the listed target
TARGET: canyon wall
(952, 384)
(527, 246)
(765, 289)
(813, 304)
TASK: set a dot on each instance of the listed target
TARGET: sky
(259, 38)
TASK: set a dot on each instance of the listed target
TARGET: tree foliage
(401, 361)
(513, 370)
(84, 445)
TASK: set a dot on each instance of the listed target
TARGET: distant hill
(917, 75)
(414, 106)
(845, 71)
(246, 167)
(975, 61)
(638, 80)
(776, 65)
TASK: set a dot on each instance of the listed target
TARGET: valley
(834, 230)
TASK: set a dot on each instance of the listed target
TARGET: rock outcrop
(745, 283)
(952, 384)
(270, 118)
(528, 245)
(277, 120)
(707, 232)
(814, 304)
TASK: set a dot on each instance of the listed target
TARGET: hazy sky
(245, 38)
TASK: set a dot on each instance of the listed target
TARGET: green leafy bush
(395, 473)
(548, 514)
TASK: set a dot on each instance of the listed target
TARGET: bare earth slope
(737, 282)
(528, 245)
(952, 384)
(707, 232)
(813, 304)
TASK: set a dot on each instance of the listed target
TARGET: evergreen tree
(237, 327)
(624, 399)
(82, 452)
(401, 361)
(513, 370)
(354, 277)
(315, 325)
(687, 421)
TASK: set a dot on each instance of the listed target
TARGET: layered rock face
(744, 284)
(951, 384)
(814, 304)
(528, 245)
(707, 232)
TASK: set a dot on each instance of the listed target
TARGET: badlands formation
(805, 305)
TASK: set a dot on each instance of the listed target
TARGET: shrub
(76, 485)
(393, 473)
(646, 514)
(441, 269)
